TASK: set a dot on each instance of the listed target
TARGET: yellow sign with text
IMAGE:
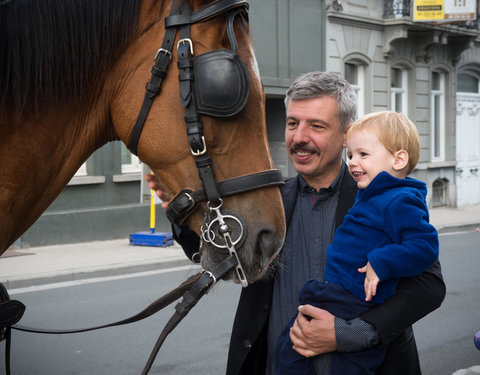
(428, 10)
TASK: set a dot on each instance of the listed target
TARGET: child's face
(367, 157)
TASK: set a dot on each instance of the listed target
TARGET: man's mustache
(303, 147)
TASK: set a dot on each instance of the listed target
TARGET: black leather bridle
(222, 229)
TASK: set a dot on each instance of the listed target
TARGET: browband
(207, 12)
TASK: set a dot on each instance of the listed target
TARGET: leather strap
(192, 290)
(186, 200)
(151, 309)
(192, 118)
(207, 12)
(163, 58)
(153, 87)
(190, 299)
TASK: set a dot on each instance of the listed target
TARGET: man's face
(314, 140)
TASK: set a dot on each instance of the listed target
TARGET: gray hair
(317, 84)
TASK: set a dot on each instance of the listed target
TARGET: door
(468, 148)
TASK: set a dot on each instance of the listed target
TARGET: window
(130, 162)
(437, 116)
(355, 75)
(467, 83)
(398, 90)
(439, 192)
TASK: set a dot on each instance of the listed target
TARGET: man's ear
(401, 160)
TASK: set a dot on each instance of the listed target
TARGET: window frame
(402, 91)
(437, 117)
(359, 86)
(135, 165)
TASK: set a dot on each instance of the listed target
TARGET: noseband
(215, 84)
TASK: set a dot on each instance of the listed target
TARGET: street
(199, 344)
(445, 337)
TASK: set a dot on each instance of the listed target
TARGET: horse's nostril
(265, 247)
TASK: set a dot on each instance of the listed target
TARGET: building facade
(398, 64)
(429, 71)
(468, 128)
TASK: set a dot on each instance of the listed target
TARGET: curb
(458, 228)
(31, 280)
(82, 274)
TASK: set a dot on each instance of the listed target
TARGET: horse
(72, 78)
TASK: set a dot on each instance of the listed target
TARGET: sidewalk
(58, 263)
(448, 220)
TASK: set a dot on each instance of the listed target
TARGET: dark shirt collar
(305, 188)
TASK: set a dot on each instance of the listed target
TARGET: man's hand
(371, 281)
(315, 336)
(155, 184)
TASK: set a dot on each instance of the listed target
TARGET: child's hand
(371, 281)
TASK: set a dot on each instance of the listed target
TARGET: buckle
(191, 202)
(200, 152)
(180, 206)
(165, 51)
(186, 41)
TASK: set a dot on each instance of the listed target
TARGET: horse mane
(52, 50)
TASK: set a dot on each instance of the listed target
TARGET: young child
(385, 236)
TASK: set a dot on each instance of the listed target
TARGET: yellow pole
(152, 210)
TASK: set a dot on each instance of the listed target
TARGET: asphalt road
(445, 337)
(199, 344)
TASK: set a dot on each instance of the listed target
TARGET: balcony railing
(471, 25)
(396, 8)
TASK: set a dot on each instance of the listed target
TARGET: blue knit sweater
(389, 226)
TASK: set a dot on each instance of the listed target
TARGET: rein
(191, 291)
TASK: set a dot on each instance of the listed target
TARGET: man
(320, 107)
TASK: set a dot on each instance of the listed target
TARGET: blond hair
(394, 130)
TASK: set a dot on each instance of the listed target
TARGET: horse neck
(39, 157)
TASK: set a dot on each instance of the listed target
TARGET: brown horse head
(80, 82)
(237, 144)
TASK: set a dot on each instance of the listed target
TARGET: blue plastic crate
(147, 238)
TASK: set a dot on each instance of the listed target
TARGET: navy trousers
(343, 304)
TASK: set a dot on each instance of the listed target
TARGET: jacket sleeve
(188, 240)
(414, 241)
(415, 297)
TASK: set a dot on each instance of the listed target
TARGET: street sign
(460, 10)
(428, 10)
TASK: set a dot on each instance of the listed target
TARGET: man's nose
(301, 134)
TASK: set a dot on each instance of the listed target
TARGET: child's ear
(401, 160)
